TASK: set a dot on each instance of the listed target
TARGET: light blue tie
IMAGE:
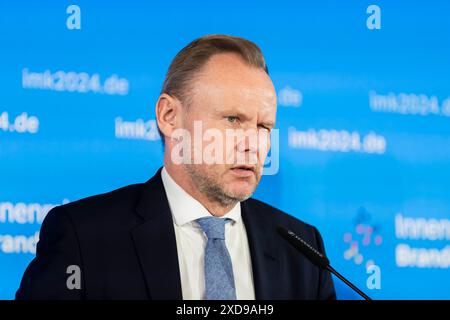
(219, 279)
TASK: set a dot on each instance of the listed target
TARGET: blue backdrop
(364, 120)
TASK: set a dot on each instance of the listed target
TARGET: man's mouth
(244, 170)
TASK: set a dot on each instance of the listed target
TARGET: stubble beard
(213, 190)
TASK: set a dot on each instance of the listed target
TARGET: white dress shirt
(191, 243)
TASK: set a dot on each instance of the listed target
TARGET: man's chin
(241, 186)
(241, 194)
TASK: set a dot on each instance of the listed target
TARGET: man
(191, 231)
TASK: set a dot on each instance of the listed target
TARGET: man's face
(228, 95)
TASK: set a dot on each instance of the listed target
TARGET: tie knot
(213, 227)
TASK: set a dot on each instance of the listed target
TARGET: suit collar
(263, 251)
(155, 243)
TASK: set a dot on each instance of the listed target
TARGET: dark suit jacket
(124, 244)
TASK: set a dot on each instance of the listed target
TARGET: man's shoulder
(126, 193)
(104, 205)
(273, 217)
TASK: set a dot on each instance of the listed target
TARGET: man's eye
(232, 119)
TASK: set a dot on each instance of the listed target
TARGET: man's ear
(167, 109)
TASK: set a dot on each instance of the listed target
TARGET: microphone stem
(351, 285)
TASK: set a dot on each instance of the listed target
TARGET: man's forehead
(225, 91)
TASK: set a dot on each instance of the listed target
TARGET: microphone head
(301, 245)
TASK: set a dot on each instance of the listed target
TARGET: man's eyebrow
(236, 112)
(242, 115)
(270, 124)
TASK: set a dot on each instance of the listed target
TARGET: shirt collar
(185, 208)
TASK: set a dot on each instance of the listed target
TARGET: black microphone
(315, 256)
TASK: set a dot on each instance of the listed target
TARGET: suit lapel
(263, 253)
(155, 243)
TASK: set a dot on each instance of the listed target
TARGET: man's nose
(248, 141)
